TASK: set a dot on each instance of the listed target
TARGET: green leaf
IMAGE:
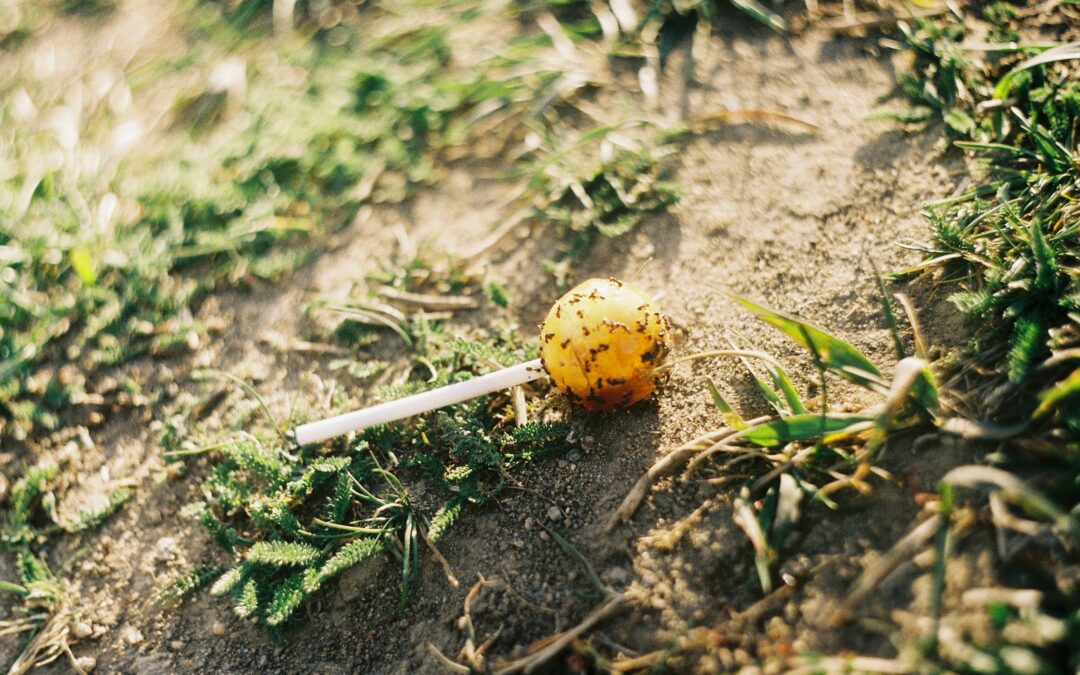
(347, 556)
(193, 578)
(14, 588)
(89, 519)
(83, 265)
(228, 581)
(973, 302)
(496, 292)
(960, 122)
(914, 115)
(925, 390)
(444, 518)
(24, 495)
(1059, 53)
(783, 383)
(1046, 267)
(832, 352)
(761, 13)
(1027, 343)
(889, 314)
(282, 554)
(247, 598)
(329, 464)
(733, 419)
(799, 427)
(767, 392)
(1067, 388)
(287, 597)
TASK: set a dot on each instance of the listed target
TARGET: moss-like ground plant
(294, 518)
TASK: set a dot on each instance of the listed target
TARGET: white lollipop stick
(313, 432)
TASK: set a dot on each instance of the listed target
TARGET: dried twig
(916, 328)
(643, 662)
(905, 548)
(521, 413)
(450, 578)
(530, 663)
(429, 302)
(668, 464)
(863, 22)
(446, 661)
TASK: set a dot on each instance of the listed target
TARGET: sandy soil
(790, 217)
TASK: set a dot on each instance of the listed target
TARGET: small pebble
(132, 635)
(86, 663)
(616, 576)
(176, 645)
(165, 549)
(574, 455)
(518, 543)
(82, 630)
(554, 514)
(218, 628)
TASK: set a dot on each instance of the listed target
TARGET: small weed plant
(291, 519)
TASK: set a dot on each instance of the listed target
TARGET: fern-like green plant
(287, 597)
(25, 493)
(1028, 342)
(292, 519)
(281, 554)
(89, 519)
(345, 557)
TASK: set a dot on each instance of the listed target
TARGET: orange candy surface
(601, 342)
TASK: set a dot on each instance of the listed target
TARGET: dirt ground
(773, 212)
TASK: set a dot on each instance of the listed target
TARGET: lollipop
(601, 344)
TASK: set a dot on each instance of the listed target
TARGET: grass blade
(733, 419)
(835, 354)
(799, 427)
(746, 519)
(1059, 53)
(761, 13)
(1066, 388)
(890, 315)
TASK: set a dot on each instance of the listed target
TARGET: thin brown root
(45, 647)
(705, 454)
(530, 663)
(71, 658)
(860, 23)
(452, 666)
(638, 663)
(666, 465)
(450, 578)
(913, 319)
(905, 548)
(725, 117)
(429, 302)
(668, 539)
(506, 227)
(848, 664)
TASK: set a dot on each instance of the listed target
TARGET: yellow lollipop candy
(602, 342)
